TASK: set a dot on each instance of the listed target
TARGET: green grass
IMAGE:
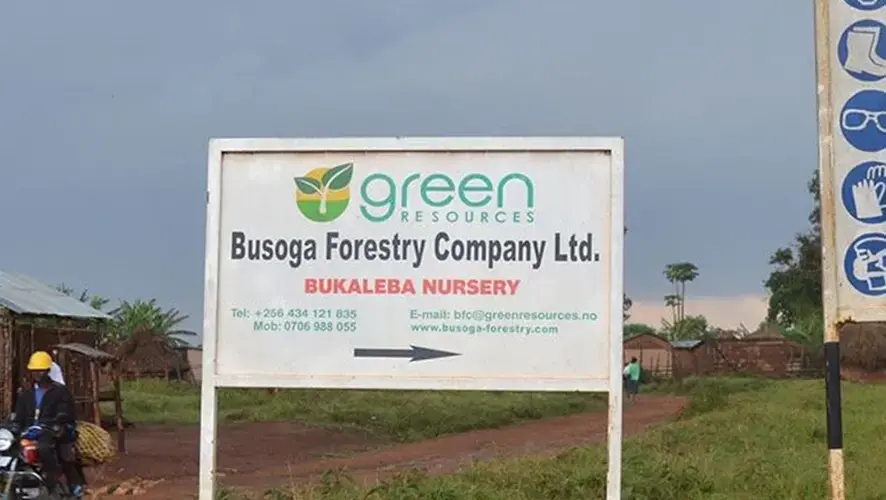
(397, 415)
(706, 393)
(732, 444)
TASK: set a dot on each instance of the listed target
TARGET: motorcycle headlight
(6, 439)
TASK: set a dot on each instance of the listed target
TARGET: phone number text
(263, 325)
(283, 313)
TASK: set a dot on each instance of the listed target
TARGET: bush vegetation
(397, 415)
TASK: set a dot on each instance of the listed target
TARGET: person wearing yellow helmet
(50, 405)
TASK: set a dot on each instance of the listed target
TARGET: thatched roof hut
(146, 355)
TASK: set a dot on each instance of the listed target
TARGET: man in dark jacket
(51, 405)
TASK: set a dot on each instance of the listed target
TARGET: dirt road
(261, 455)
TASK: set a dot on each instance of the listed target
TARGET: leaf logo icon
(323, 194)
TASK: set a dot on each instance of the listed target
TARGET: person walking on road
(632, 378)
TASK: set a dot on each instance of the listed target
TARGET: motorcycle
(20, 474)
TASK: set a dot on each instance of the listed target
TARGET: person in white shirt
(55, 371)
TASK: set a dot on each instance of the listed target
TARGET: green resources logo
(323, 195)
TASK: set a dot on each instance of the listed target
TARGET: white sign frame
(613, 146)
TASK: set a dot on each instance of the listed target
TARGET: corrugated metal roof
(24, 295)
(685, 344)
(89, 352)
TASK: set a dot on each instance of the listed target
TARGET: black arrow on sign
(414, 353)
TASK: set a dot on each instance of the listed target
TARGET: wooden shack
(764, 353)
(686, 360)
(652, 351)
(98, 362)
(35, 316)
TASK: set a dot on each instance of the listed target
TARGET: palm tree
(626, 302)
(130, 317)
(674, 302)
(680, 273)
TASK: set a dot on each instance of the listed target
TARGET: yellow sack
(94, 444)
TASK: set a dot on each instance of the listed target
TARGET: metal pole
(835, 418)
(823, 61)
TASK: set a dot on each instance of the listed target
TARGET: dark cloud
(108, 107)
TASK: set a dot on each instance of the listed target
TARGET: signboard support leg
(614, 434)
(835, 417)
(616, 327)
(208, 433)
(824, 56)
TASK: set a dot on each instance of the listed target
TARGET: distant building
(194, 357)
(765, 352)
(657, 355)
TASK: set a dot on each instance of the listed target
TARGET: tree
(634, 329)
(795, 284)
(680, 273)
(131, 317)
(808, 330)
(94, 301)
(689, 328)
(626, 302)
(626, 305)
(674, 302)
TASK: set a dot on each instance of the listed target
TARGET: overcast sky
(106, 108)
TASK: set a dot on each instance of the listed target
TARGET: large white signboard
(856, 162)
(470, 263)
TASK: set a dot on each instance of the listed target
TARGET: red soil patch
(263, 455)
